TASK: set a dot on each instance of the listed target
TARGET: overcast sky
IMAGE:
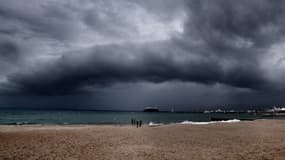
(126, 54)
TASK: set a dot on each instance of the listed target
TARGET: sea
(69, 117)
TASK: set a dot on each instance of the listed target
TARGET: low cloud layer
(62, 48)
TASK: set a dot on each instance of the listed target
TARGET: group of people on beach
(137, 123)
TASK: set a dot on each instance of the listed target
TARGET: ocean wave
(212, 122)
(18, 123)
(151, 124)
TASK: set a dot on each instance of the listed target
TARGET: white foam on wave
(204, 123)
(151, 124)
(231, 121)
(195, 123)
(22, 123)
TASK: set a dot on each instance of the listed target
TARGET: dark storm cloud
(36, 20)
(8, 50)
(254, 20)
(237, 33)
(222, 25)
(221, 42)
(105, 65)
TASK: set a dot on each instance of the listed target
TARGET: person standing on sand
(140, 123)
(133, 121)
(137, 123)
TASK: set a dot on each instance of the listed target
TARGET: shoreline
(31, 127)
(66, 123)
(129, 124)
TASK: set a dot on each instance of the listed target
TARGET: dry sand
(256, 140)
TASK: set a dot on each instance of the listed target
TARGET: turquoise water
(107, 117)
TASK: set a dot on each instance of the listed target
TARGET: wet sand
(256, 140)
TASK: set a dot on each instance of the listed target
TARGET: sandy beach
(256, 140)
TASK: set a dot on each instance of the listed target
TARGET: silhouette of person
(137, 123)
(140, 123)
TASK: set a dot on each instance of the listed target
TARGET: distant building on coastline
(276, 110)
(206, 111)
(273, 112)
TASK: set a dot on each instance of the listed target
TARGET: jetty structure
(151, 109)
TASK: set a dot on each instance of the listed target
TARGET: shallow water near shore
(109, 117)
